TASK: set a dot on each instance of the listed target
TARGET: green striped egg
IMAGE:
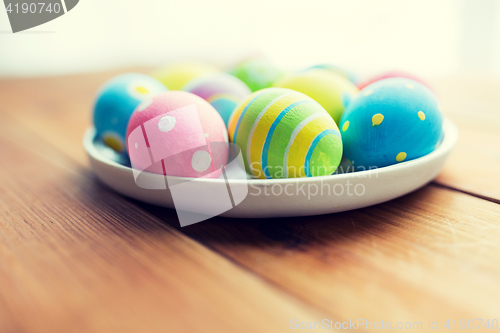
(285, 134)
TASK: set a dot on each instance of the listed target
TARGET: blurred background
(426, 37)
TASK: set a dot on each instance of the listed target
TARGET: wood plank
(429, 255)
(473, 104)
(75, 257)
(58, 109)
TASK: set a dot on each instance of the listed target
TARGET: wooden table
(77, 257)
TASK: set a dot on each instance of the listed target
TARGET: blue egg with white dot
(390, 121)
(116, 101)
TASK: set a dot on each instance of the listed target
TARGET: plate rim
(450, 132)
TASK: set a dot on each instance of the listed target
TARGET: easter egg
(115, 103)
(285, 134)
(391, 74)
(390, 121)
(339, 70)
(178, 134)
(325, 87)
(257, 73)
(223, 91)
(175, 76)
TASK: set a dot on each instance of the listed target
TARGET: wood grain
(429, 255)
(78, 257)
(75, 257)
(57, 109)
(473, 103)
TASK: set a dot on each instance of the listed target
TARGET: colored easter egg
(178, 134)
(115, 103)
(325, 87)
(257, 73)
(223, 91)
(339, 70)
(391, 74)
(390, 121)
(285, 134)
(175, 76)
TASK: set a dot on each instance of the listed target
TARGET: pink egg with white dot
(177, 134)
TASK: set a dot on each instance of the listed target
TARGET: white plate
(279, 197)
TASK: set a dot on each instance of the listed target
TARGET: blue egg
(390, 121)
(225, 106)
(116, 101)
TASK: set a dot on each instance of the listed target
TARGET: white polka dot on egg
(201, 160)
(166, 123)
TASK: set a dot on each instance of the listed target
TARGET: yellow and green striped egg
(285, 134)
